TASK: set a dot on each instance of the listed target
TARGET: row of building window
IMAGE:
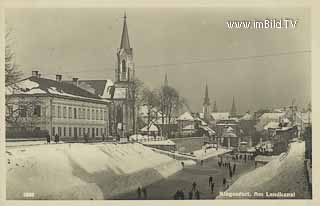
(78, 113)
(78, 131)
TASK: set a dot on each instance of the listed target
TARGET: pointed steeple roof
(233, 111)
(125, 36)
(206, 96)
(166, 80)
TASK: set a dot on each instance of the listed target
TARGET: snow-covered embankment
(285, 174)
(83, 171)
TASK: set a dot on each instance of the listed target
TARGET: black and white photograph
(170, 103)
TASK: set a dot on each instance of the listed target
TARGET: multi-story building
(59, 108)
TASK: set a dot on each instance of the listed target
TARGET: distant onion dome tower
(206, 104)
(233, 111)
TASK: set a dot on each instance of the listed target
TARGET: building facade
(39, 104)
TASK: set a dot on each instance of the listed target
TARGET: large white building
(60, 108)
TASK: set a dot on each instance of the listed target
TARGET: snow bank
(283, 174)
(208, 153)
(84, 171)
(160, 142)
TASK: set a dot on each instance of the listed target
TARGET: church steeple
(233, 111)
(125, 65)
(166, 80)
(206, 96)
(206, 104)
(125, 44)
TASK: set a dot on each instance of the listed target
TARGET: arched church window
(123, 66)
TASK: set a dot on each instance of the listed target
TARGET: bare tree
(170, 103)
(12, 73)
(136, 91)
(150, 99)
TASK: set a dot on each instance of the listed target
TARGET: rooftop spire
(125, 36)
(233, 111)
(166, 80)
(206, 96)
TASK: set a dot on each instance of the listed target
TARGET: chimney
(75, 81)
(35, 73)
(58, 77)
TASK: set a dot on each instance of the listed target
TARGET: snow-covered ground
(160, 142)
(208, 153)
(83, 171)
(284, 174)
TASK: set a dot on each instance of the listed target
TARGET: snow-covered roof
(188, 127)
(36, 86)
(229, 134)
(167, 142)
(206, 128)
(220, 115)
(229, 129)
(152, 128)
(186, 116)
(271, 125)
(247, 116)
(273, 116)
(266, 118)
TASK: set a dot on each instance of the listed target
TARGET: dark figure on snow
(212, 187)
(181, 195)
(210, 180)
(234, 168)
(144, 191)
(103, 137)
(194, 185)
(201, 162)
(224, 181)
(56, 138)
(197, 195)
(86, 137)
(190, 195)
(230, 173)
(139, 192)
(219, 164)
(182, 163)
(48, 138)
(176, 195)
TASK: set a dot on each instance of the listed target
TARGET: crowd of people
(194, 193)
(142, 193)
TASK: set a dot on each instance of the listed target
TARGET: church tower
(206, 104)
(125, 65)
(123, 99)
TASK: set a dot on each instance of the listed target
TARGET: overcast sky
(83, 43)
